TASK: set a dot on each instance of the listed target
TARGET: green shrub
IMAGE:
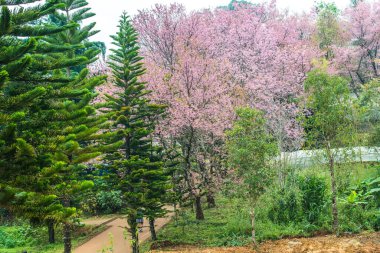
(360, 206)
(16, 236)
(356, 218)
(314, 197)
(109, 201)
(102, 202)
(286, 206)
(304, 199)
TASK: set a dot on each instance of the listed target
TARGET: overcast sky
(108, 11)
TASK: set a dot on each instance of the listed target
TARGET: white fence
(307, 158)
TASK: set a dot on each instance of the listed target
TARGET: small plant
(365, 193)
(360, 206)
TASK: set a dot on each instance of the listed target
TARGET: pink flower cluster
(204, 63)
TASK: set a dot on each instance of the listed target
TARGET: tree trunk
(51, 231)
(133, 230)
(68, 72)
(67, 237)
(152, 230)
(210, 200)
(333, 197)
(253, 226)
(66, 229)
(135, 239)
(175, 214)
(198, 208)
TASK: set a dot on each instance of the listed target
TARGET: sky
(108, 11)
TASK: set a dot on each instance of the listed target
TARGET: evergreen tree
(19, 66)
(75, 94)
(76, 11)
(78, 139)
(157, 184)
(137, 173)
(48, 127)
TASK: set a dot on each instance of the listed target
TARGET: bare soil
(362, 243)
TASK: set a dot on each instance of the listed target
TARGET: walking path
(115, 236)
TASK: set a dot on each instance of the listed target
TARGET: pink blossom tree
(195, 87)
(269, 53)
(205, 63)
(357, 57)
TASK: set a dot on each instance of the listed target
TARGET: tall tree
(250, 150)
(266, 54)
(357, 57)
(54, 128)
(137, 174)
(28, 64)
(76, 11)
(78, 141)
(330, 123)
(80, 52)
(21, 65)
(184, 76)
(328, 28)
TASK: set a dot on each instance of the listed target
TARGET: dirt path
(115, 235)
(362, 243)
(96, 221)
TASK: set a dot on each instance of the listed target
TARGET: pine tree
(157, 184)
(67, 106)
(79, 140)
(19, 66)
(137, 173)
(48, 127)
(76, 11)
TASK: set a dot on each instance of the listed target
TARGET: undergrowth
(300, 207)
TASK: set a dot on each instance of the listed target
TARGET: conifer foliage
(136, 171)
(49, 128)
(76, 11)
(20, 65)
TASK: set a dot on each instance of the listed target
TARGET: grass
(225, 225)
(22, 237)
(229, 223)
